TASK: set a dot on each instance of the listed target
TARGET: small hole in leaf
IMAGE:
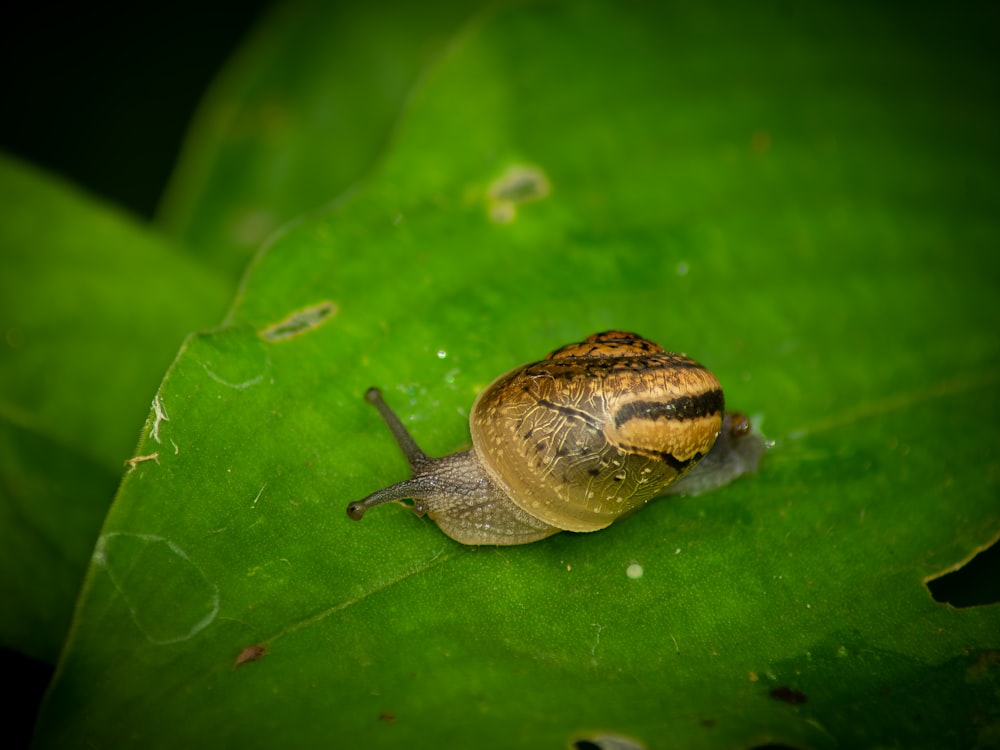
(606, 742)
(519, 184)
(975, 584)
(299, 321)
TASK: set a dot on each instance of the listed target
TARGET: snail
(575, 441)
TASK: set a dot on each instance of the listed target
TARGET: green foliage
(93, 309)
(298, 115)
(804, 201)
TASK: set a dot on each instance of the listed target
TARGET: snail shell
(596, 429)
(573, 442)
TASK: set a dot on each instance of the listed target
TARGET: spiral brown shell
(596, 429)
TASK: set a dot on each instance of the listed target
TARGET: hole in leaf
(606, 742)
(974, 584)
(519, 184)
(299, 322)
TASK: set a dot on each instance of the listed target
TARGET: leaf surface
(770, 192)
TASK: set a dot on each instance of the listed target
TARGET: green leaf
(297, 117)
(92, 308)
(804, 203)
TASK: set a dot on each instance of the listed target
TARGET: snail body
(575, 441)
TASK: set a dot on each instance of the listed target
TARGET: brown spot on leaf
(388, 717)
(760, 141)
(250, 653)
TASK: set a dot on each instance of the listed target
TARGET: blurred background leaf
(94, 309)
(297, 117)
(804, 200)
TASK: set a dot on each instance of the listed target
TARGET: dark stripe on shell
(682, 407)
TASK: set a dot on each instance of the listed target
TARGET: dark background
(102, 92)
